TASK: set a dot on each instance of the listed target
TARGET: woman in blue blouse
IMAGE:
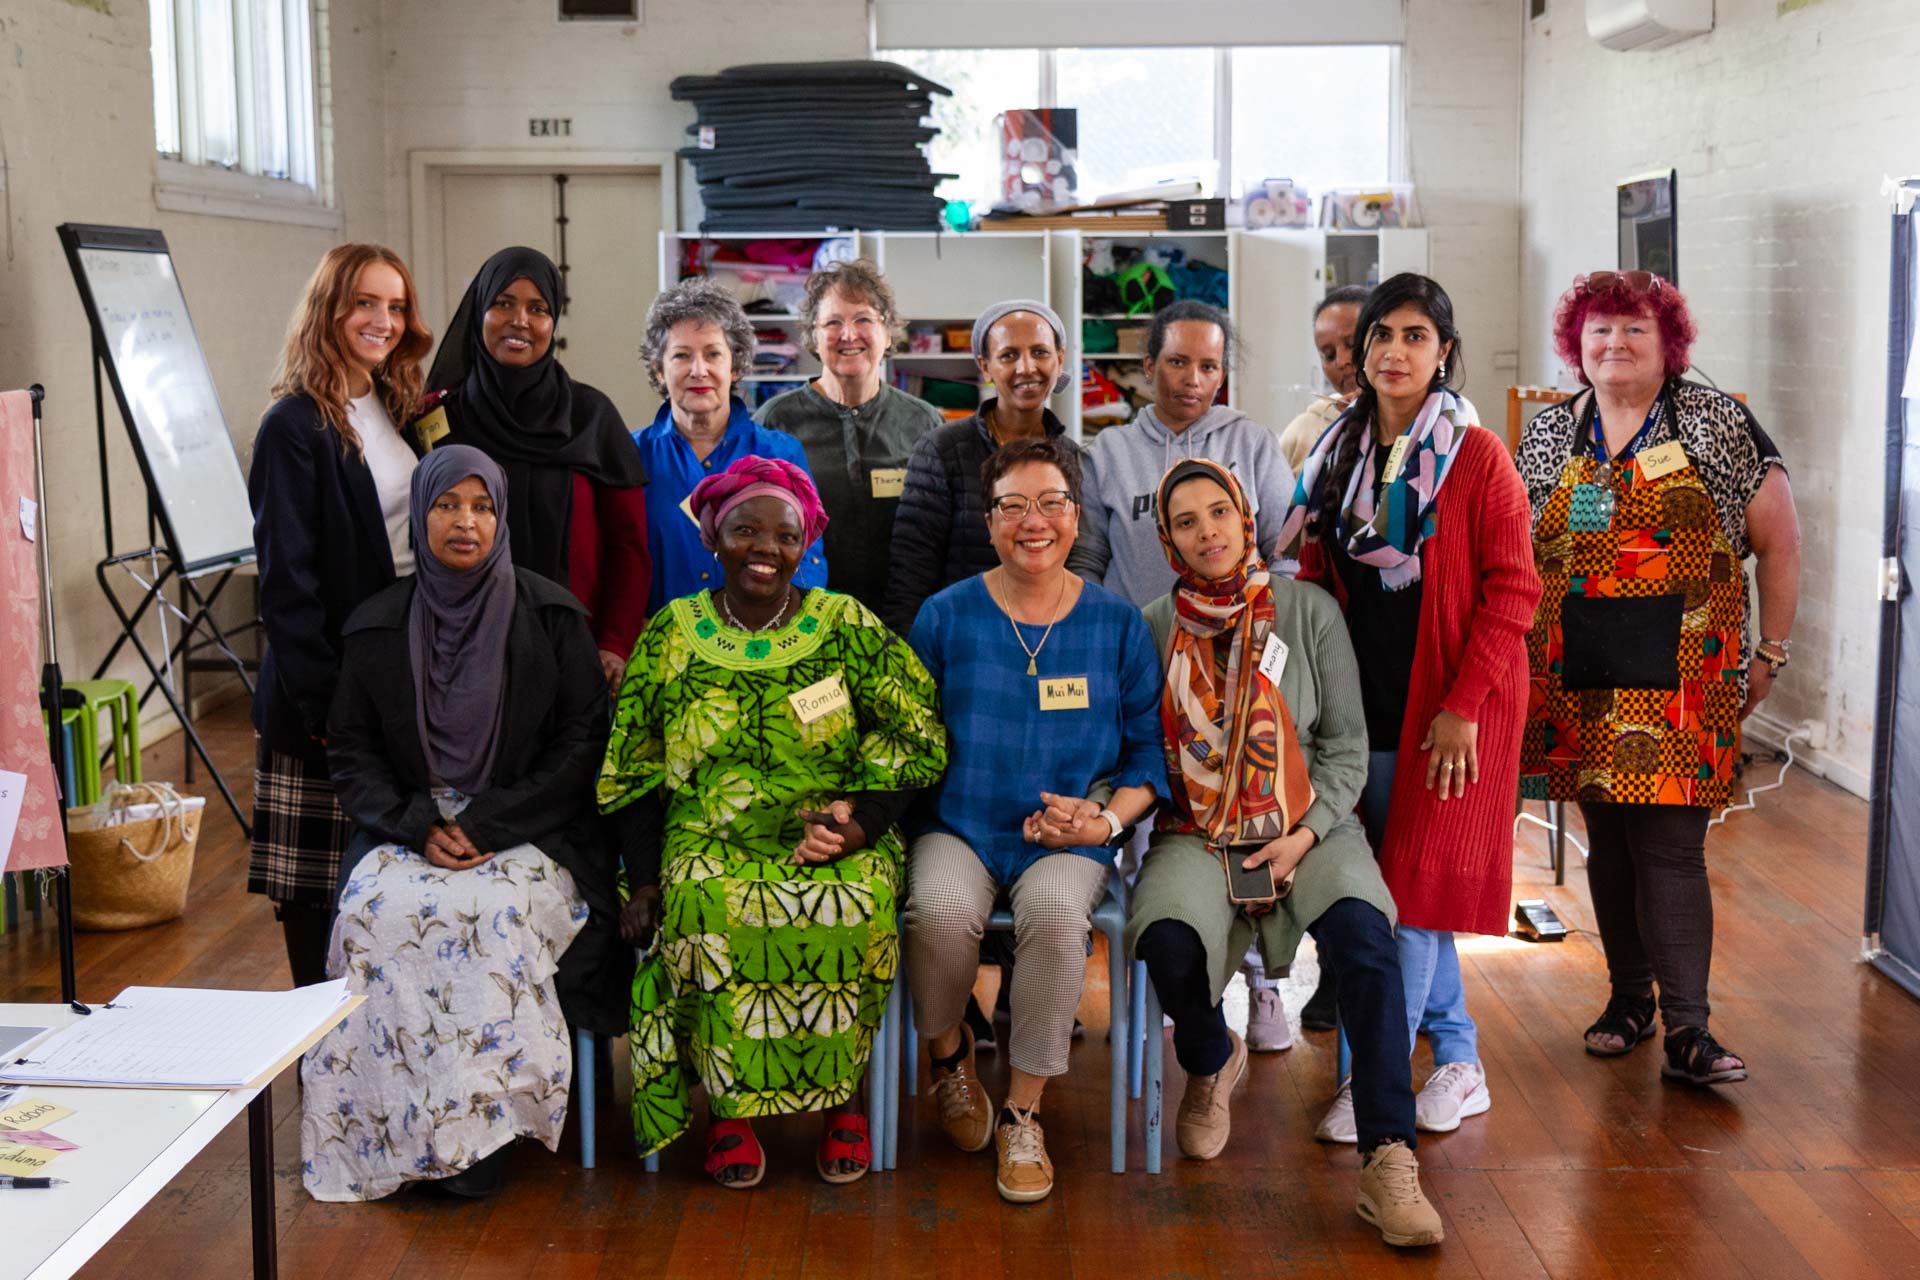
(1049, 685)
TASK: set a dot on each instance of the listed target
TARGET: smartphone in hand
(1244, 886)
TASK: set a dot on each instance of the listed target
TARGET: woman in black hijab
(481, 923)
(579, 504)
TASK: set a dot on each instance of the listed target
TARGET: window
(233, 86)
(1321, 115)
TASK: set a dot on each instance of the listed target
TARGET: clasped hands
(1065, 822)
(448, 846)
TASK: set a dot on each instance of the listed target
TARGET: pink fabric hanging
(23, 742)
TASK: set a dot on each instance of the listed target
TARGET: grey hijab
(457, 631)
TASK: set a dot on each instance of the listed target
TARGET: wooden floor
(1582, 1167)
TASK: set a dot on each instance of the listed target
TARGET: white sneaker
(1450, 1095)
(1267, 1029)
(1337, 1125)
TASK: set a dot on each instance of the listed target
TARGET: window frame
(187, 182)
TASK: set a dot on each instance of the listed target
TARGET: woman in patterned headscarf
(765, 740)
(1266, 755)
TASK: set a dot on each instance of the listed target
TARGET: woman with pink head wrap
(766, 740)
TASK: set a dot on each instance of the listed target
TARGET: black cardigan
(940, 530)
(553, 735)
(321, 542)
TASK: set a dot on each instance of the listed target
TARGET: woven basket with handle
(132, 855)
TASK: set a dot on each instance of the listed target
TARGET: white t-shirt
(392, 464)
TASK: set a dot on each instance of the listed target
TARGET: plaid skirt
(299, 831)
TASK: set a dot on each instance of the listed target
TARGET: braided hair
(1406, 289)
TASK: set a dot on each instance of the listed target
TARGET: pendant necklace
(738, 625)
(1033, 653)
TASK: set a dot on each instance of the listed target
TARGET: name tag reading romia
(819, 699)
(1063, 693)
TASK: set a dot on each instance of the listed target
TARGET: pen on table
(29, 1184)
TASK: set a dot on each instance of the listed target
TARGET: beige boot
(1205, 1121)
(1024, 1174)
(1391, 1199)
(966, 1113)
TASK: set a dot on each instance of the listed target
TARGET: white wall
(1781, 125)
(76, 113)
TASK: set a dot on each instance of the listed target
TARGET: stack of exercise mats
(813, 146)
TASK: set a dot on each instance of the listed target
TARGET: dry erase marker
(29, 1184)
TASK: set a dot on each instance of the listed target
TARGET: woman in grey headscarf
(465, 733)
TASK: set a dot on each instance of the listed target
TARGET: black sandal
(1691, 1053)
(1631, 1018)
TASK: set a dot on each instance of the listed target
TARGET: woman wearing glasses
(1648, 491)
(858, 431)
(1049, 686)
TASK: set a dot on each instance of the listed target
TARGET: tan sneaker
(1205, 1121)
(1025, 1174)
(966, 1113)
(1391, 1199)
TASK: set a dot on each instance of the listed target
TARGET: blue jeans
(1429, 964)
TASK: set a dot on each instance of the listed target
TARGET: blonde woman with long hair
(329, 488)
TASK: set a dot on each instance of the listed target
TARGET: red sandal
(731, 1145)
(843, 1137)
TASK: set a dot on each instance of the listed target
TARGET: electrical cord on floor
(1523, 816)
(1786, 745)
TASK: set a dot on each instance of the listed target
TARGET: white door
(613, 224)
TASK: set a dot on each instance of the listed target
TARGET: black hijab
(537, 423)
(457, 630)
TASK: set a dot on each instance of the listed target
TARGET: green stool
(119, 700)
(80, 785)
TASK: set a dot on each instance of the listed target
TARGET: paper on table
(41, 1138)
(24, 1160)
(31, 1114)
(181, 1036)
(13, 790)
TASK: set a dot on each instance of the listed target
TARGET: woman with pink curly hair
(1648, 491)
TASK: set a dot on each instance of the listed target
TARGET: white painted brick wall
(1781, 126)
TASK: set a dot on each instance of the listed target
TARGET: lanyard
(1639, 437)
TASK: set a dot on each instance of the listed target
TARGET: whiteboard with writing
(166, 392)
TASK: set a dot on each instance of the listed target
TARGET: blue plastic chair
(1110, 918)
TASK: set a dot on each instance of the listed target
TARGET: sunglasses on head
(1635, 281)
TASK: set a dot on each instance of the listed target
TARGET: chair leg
(1155, 1066)
(910, 1032)
(585, 1058)
(877, 1087)
(1137, 1041)
(652, 1163)
(1118, 1000)
(890, 1111)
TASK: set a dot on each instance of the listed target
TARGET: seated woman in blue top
(698, 346)
(1049, 686)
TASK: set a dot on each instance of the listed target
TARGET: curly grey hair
(703, 301)
(859, 279)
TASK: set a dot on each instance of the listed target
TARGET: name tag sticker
(1063, 693)
(24, 1160)
(686, 509)
(34, 1113)
(820, 699)
(889, 483)
(1274, 660)
(1661, 460)
(432, 428)
(1395, 458)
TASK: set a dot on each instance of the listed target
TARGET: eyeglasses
(862, 324)
(1636, 281)
(1053, 504)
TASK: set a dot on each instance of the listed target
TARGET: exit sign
(550, 127)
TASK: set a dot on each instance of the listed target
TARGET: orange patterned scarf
(1233, 757)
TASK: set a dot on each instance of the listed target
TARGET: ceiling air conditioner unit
(1647, 24)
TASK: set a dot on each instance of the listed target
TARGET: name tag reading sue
(888, 483)
(1661, 460)
(1063, 693)
(432, 428)
(1274, 660)
(820, 699)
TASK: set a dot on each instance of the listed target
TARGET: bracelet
(1774, 661)
(1113, 820)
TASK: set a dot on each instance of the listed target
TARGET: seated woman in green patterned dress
(765, 741)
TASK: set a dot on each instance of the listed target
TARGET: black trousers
(1371, 1000)
(308, 927)
(1647, 871)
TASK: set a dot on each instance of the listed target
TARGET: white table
(132, 1143)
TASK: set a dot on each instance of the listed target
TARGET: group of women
(744, 698)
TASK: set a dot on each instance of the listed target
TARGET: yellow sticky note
(1661, 460)
(34, 1113)
(432, 428)
(1395, 459)
(889, 482)
(819, 699)
(24, 1160)
(1063, 693)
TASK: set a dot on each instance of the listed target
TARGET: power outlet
(1816, 731)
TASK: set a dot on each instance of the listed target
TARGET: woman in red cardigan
(1414, 517)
